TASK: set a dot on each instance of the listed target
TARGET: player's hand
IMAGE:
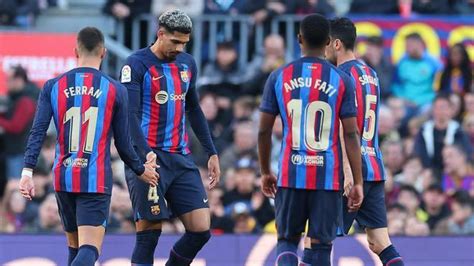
(269, 183)
(214, 171)
(151, 160)
(150, 176)
(26, 186)
(348, 183)
(355, 197)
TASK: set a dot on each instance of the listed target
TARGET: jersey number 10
(73, 114)
(312, 141)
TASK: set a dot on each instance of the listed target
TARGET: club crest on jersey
(161, 97)
(184, 76)
(126, 75)
(155, 209)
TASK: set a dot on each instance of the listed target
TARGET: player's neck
(89, 62)
(313, 53)
(344, 57)
(154, 49)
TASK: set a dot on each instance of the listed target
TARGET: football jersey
(163, 87)
(368, 103)
(311, 96)
(87, 107)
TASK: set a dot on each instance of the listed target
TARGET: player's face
(331, 52)
(171, 44)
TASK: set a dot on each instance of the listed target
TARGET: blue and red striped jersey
(368, 102)
(87, 108)
(311, 96)
(161, 92)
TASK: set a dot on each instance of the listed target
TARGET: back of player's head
(344, 30)
(314, 30)
(175, 20)
(19, 72)
(90, 40)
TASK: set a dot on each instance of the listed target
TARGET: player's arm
(123, 142)
(268, 112)
(44, 112)
(201, 129)
(132, 78)
(348, 178)
(351, 138)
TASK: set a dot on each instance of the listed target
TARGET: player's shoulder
(187, 59)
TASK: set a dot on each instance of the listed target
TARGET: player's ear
(300, 41)
(103, 53)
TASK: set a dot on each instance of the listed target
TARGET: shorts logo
(184, 75)
(298, 159)
(155, 209)
(161, 97)
(126, 75)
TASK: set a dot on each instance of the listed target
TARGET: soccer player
(161, 82)
(87, 107)
(372, 214)
(312, 97)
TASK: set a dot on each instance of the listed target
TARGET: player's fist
(150, 176)
(27, 187)
(269, 184)
(214, 170)
(355, 197)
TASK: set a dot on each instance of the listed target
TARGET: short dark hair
(411, 189)
(344, 30)
(19, 72)
(89, 39)
(226, 45)
(463, 198)
(446, 96)
(414, 36)
(175, 20)
(314, 30)
(375, 40)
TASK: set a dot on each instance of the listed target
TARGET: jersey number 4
(312, 141)
(73, 115)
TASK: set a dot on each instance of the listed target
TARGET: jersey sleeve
(348, 106)
(44, 112)
(131, 77)
(269, 102)
(121, 128)
(196, 116)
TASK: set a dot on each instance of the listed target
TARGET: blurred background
(422, 50)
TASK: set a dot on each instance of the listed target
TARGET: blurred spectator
(374, 7)
(435, 205)
(432, 6)
(264, 10)
(243, 147)
(464, 6)
(415, 74)
(436, 133)
(457, 75)
(8, 12)
(374, 57)
(394, 156)
(18, 119)
(223, 77)
(277, 138)
(468, 127)
(387, 124)
(458, 172)
(191, 7)
(410, 199)
(398, 110)
(49, 221)
(396, 216)
(415, 227)
(244, 222)
(411, 173)
(304, 7)
(125, 11)
(220, 223)
(232, 7)
(262, 65)
(461, 220)
(11, 209)
(469, 103)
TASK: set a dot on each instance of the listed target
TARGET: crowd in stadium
(426, 127)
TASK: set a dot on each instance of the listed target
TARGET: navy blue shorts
(322, 208)
(372, 213)
(76, 209)
(180, 189)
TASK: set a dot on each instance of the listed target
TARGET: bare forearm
(264, 150)
(352, 145)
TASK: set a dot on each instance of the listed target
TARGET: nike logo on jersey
(205, 200)
(157, 78)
